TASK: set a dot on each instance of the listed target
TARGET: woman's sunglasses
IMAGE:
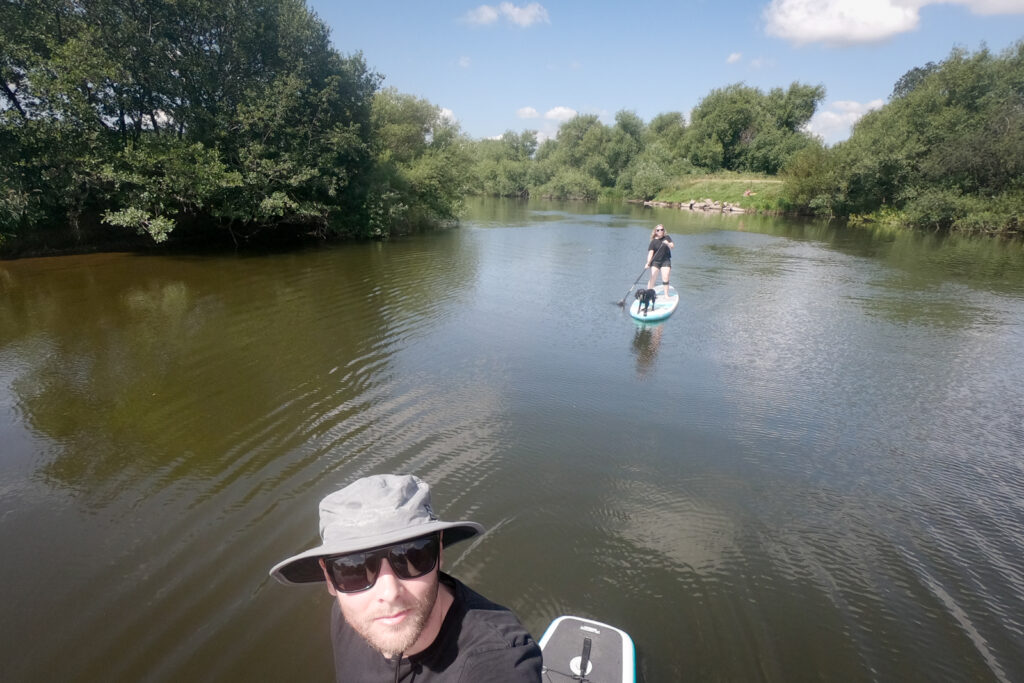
(356, 572)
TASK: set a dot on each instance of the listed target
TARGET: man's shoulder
(486, 624)
(492, 643)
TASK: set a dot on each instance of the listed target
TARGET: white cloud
(849, 22)
(834, 123)
(528, 15)
(527, 113)
(839, 22)
(524, 16)
(560, 114)
(734, 57)
(482, 15)
(990, 6)
(464, 62)
(448, 115)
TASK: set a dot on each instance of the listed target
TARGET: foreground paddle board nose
(571, 643)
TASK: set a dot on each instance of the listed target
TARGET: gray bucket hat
(369, 513)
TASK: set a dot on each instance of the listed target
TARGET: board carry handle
(584, 659)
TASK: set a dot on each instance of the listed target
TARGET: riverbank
(724, 193)
(707, 205)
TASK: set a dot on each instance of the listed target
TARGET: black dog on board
(646, 298)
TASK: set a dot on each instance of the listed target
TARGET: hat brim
(305, 567)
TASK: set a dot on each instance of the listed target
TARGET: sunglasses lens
(355, 572)
(409, 560)
(414, 559)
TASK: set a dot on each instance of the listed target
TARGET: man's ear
(327, 578)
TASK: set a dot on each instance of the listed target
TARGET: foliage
(502, 167)
(913, 78)
(734, 128)
(946, 152)
(422, 161)
(224, 117)
(570, 183)
(739, 128)
(809, 179)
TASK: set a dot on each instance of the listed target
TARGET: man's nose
(388, 584)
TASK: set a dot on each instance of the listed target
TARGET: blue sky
(530, 65)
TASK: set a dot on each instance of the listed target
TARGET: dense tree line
(946, 151)
(236, 119)
(210, 117)
(737, 128)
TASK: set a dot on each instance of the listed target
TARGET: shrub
(569, 183)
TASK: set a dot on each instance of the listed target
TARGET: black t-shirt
(478, 641)
(666, 254)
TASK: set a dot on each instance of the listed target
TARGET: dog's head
(640, 293)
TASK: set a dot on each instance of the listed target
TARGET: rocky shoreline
(703, 205)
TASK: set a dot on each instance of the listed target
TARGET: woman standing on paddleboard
(659, 257)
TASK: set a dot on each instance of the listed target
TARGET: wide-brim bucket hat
(369, 513)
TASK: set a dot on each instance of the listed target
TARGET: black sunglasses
(356, 572)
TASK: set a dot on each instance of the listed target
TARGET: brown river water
(814, 470)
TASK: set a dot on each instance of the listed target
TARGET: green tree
(810, 181)
(422, 164)
(739, 128)
(625, 142)
(911, 79)
(947, 151)
(230, 116)
(502, 167)
(581, 145)
(670, 130)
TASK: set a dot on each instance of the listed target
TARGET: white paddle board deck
(571, 643)
(663, 306)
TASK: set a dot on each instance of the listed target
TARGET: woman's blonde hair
(655, 230)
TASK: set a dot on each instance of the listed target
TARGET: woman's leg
(666, 271)
(654, 275)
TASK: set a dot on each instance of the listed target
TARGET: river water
(813, 471)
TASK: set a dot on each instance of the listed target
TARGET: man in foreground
(397, 616)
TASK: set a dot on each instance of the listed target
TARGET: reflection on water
(646, 340)
(811, 471)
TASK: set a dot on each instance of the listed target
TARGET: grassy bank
(765, 191)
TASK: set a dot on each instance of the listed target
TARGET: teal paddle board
(663, 306)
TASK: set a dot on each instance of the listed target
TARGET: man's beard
(393, 640)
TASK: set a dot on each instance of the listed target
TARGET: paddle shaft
(633, 285)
